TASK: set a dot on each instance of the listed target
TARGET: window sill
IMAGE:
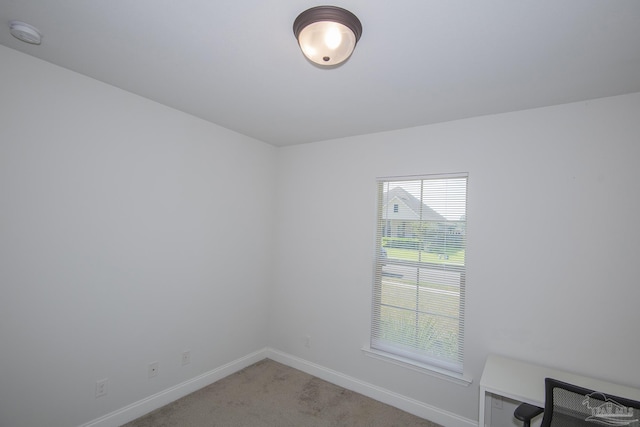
(453, 377)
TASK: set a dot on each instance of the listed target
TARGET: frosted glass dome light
(327, 35)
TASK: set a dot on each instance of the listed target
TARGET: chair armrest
(526, 412)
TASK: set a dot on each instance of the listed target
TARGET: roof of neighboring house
(412, 203)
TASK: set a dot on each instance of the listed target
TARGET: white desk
(524, 382)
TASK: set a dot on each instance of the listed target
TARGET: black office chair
(525, 412)
(567, 405)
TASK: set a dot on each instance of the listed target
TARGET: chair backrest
(568, 405)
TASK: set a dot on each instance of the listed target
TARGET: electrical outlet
(496, 401)
(101, 387)
(307, 341)
(154, 367)
(186, 357)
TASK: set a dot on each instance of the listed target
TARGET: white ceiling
(236, 63)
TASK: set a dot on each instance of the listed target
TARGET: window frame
(394, 351)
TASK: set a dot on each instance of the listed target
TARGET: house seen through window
(419, 283)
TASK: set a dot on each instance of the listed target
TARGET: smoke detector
(25, 32)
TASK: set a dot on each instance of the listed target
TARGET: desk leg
(481, 420)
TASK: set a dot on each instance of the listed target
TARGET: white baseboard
(151, 403)
(415, 407)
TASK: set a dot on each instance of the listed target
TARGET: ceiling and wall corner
(238, 65)
(118, 223)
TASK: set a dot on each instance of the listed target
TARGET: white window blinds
(419, 281)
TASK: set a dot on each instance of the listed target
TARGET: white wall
(553, 242)
(120, 244)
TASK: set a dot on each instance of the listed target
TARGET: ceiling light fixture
(327, 35)
(25, 32)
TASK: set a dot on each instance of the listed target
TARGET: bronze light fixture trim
(327, 35)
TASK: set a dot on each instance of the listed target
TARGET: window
(419, 283)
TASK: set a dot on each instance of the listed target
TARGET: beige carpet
(269, 394)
